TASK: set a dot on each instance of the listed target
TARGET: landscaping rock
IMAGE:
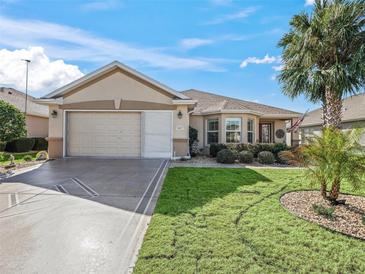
(347, 218)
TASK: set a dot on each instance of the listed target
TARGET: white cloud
(278, 68)
(267, 59)
(232, 17)
(75, 44)
(44, 74)
(101, 5)
(309, 2)
(190, 43)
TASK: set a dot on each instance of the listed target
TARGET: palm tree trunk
(335, 190)
(332, 109)
(324, 190)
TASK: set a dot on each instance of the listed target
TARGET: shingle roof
(353, 110)
(17, 99)
(209, 102)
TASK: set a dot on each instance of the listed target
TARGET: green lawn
(230, 221)
(4, 156)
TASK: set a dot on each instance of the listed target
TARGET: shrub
(266, 157)
(326, 212)
(193, 138)
(277, 148)
(194, 149)
(40, 144)
(226, 156)
(27, 158)
(245, 157)
(257, 148)
(334, 157)
(12, 122)
(215, 148)
(41, 156)
(294, 157)
(2, 146)
(20, 145)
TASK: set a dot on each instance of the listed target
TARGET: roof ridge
(245, 101)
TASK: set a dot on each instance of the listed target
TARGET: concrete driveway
(77, 215)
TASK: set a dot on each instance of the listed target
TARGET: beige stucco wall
(36, 126)
(180, 147)
(118, 86)
(308, 132)
(197, 122)
(55, 133)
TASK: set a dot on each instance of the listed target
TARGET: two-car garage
(118, 112)
(132, 134)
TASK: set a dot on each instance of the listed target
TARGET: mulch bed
(347, 217)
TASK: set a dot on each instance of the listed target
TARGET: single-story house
(353, 116)
(37, 115)
(221, 119)
(116, 111)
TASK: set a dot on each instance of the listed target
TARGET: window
(233, 130)
(250, 131)
(212, 131)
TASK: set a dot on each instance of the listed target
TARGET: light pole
(27, 61)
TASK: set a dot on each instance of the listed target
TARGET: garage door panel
(103, 134)
(157, 134)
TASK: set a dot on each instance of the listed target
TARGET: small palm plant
(332, 158)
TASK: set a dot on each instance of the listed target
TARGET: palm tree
(324, 55)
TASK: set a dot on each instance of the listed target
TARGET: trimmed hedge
(245, 157)
(40, 144)
(215, 148)
(20, 145)
(266, 157)
(255, 149)
(226, 156)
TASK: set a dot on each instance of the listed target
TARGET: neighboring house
(353, 116)
(37, 114)
(221, 119)
(116, 111)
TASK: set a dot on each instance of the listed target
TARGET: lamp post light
(27, 61)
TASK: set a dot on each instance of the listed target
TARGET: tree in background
(324, 55)
(12, 122)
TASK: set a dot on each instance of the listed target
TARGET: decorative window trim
(239, 130)
(252, 131)
(212, 131)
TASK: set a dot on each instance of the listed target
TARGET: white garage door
(157, 134)
(113, 134)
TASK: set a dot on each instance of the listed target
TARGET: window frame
(212, 131)
(239, 130)
(252, 131)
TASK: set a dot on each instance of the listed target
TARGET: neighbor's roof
(353, 110)
(213, 103)
(17, 98)
(109, 67)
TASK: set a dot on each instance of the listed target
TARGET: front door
(265, 133)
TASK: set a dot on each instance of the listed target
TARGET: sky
(221, 46)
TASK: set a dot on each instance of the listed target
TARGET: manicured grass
(231, 221)
(4, 156)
